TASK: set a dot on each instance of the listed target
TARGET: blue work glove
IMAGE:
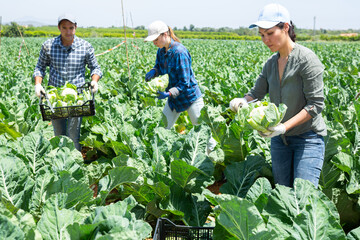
(150, 75)
(163, 95)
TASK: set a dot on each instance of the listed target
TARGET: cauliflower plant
(265, 114)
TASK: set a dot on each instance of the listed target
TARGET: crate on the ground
(167, 230)
(86, 109)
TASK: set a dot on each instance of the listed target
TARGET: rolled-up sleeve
(182, 72)
(313, 85)
(261, 87)
(157, 64)
(92, 62)
(43, 62)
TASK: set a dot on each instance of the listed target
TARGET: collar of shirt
(74, 45)
(163, 50)
(291, 53)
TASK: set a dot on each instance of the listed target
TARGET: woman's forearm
(300, 118)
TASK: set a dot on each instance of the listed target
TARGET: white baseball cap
(68, 17)
(271, 15)
(155, 29)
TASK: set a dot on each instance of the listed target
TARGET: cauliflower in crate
(67, 101)
(63, 96)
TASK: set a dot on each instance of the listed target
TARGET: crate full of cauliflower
(67, 101)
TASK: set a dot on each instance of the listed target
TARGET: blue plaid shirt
(67, 64)
(176, 62)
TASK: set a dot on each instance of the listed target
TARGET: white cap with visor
(68, 17)
(271, 15)
(155, 29)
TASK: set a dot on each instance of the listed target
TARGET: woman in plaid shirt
(183, 92)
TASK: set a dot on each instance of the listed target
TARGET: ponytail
(172, 35)
(291, 32)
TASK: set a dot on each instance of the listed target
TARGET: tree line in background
(242, 33)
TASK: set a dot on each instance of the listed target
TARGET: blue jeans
(69, 127)
(302, 157)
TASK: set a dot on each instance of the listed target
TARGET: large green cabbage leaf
(301, 212)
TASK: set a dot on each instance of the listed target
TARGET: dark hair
(67, 20)
(292, 34)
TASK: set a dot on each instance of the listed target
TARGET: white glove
(94, 86)
(39, 89)
(275, 131)
(236, 103)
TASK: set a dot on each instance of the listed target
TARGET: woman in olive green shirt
(293, 76)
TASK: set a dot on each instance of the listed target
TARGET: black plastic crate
(167, 230)
(86, 109)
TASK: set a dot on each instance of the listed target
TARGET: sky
(326, 14)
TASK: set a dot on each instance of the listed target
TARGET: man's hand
(275, 131)
(94, 86)
(163, 95)
(237, 103)
(39, 89)
(150, 75)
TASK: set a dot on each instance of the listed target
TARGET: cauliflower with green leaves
(157, 84)
(265, 114)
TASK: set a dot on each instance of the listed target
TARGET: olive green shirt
(301, 88)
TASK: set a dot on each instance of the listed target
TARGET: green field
(224, 33)
(136, 171)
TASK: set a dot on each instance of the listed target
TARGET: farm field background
(224, 33)
(134, 171)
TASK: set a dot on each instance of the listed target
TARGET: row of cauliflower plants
(142, 171)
